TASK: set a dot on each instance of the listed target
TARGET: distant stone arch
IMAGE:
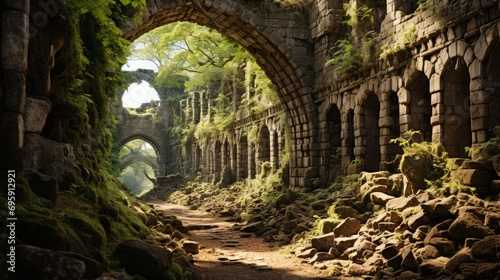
(132, 132)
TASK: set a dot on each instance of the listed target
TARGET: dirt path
(227, 254)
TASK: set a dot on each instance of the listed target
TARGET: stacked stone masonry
(444, 83)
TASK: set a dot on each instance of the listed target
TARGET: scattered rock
(323, 242)
(191, 247)
(475, 177)
(433, 266)
(347, 227)
(342, 243)
(308, 253)
(468, 225)
(453, 264)
(142, 258)
(253, 227)
(321, 257)
(487, 249)
(380, 198)
(401, 203)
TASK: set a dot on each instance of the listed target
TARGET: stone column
(203, 105)
(14, 63)
(437, 118)
(196, 107)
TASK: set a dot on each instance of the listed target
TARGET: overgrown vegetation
(88, 213)
(214, 66)
(350, 53)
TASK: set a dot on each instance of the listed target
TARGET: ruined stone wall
(14, 63)
(441, 83)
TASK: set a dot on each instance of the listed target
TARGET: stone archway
(420, 108)
(155, 141)
(153, 163)
(279, 40)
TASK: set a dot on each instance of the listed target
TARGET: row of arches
(454, 101)
(241, 155)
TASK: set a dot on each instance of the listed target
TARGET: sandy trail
(227, 254)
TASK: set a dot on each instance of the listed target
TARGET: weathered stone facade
(444, 83)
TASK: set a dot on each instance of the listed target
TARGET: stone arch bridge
(444, 81)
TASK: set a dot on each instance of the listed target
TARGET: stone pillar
(358, 126)
(14, 63)
(203, 105)
(252, 156)
(274, 149)
(236, 98)
(437, 118)
(196, 108)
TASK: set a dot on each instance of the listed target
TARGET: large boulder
(36, 110)
(323, 242)
(39, 263)
(401, 203)
(487, 248)
(51, 158)
(475, 177)
(467, 225)
(139, 257)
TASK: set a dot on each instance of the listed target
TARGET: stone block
(479, 97)
(323, 242)
(343, 243)
(475, 177)
(40, 263)
(14, 44)
(347, 227)
(35, 114)
(405, 119)
(139, 257)
(437, 120)
(477, 84)
(386, 122)
(191, 247)
(435, 85)
(401, 203)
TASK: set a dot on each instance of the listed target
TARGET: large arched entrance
(281, 50)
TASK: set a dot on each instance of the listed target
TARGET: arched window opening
(371, 109)
(457, 124)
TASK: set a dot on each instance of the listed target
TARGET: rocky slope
(371, 225)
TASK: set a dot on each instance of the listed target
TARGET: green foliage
(345, 57)
(487, 149)
(403, 39)
(206, 61)
(350, 53)
(428, 158)
(85, 77)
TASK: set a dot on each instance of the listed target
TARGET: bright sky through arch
(137, 94)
